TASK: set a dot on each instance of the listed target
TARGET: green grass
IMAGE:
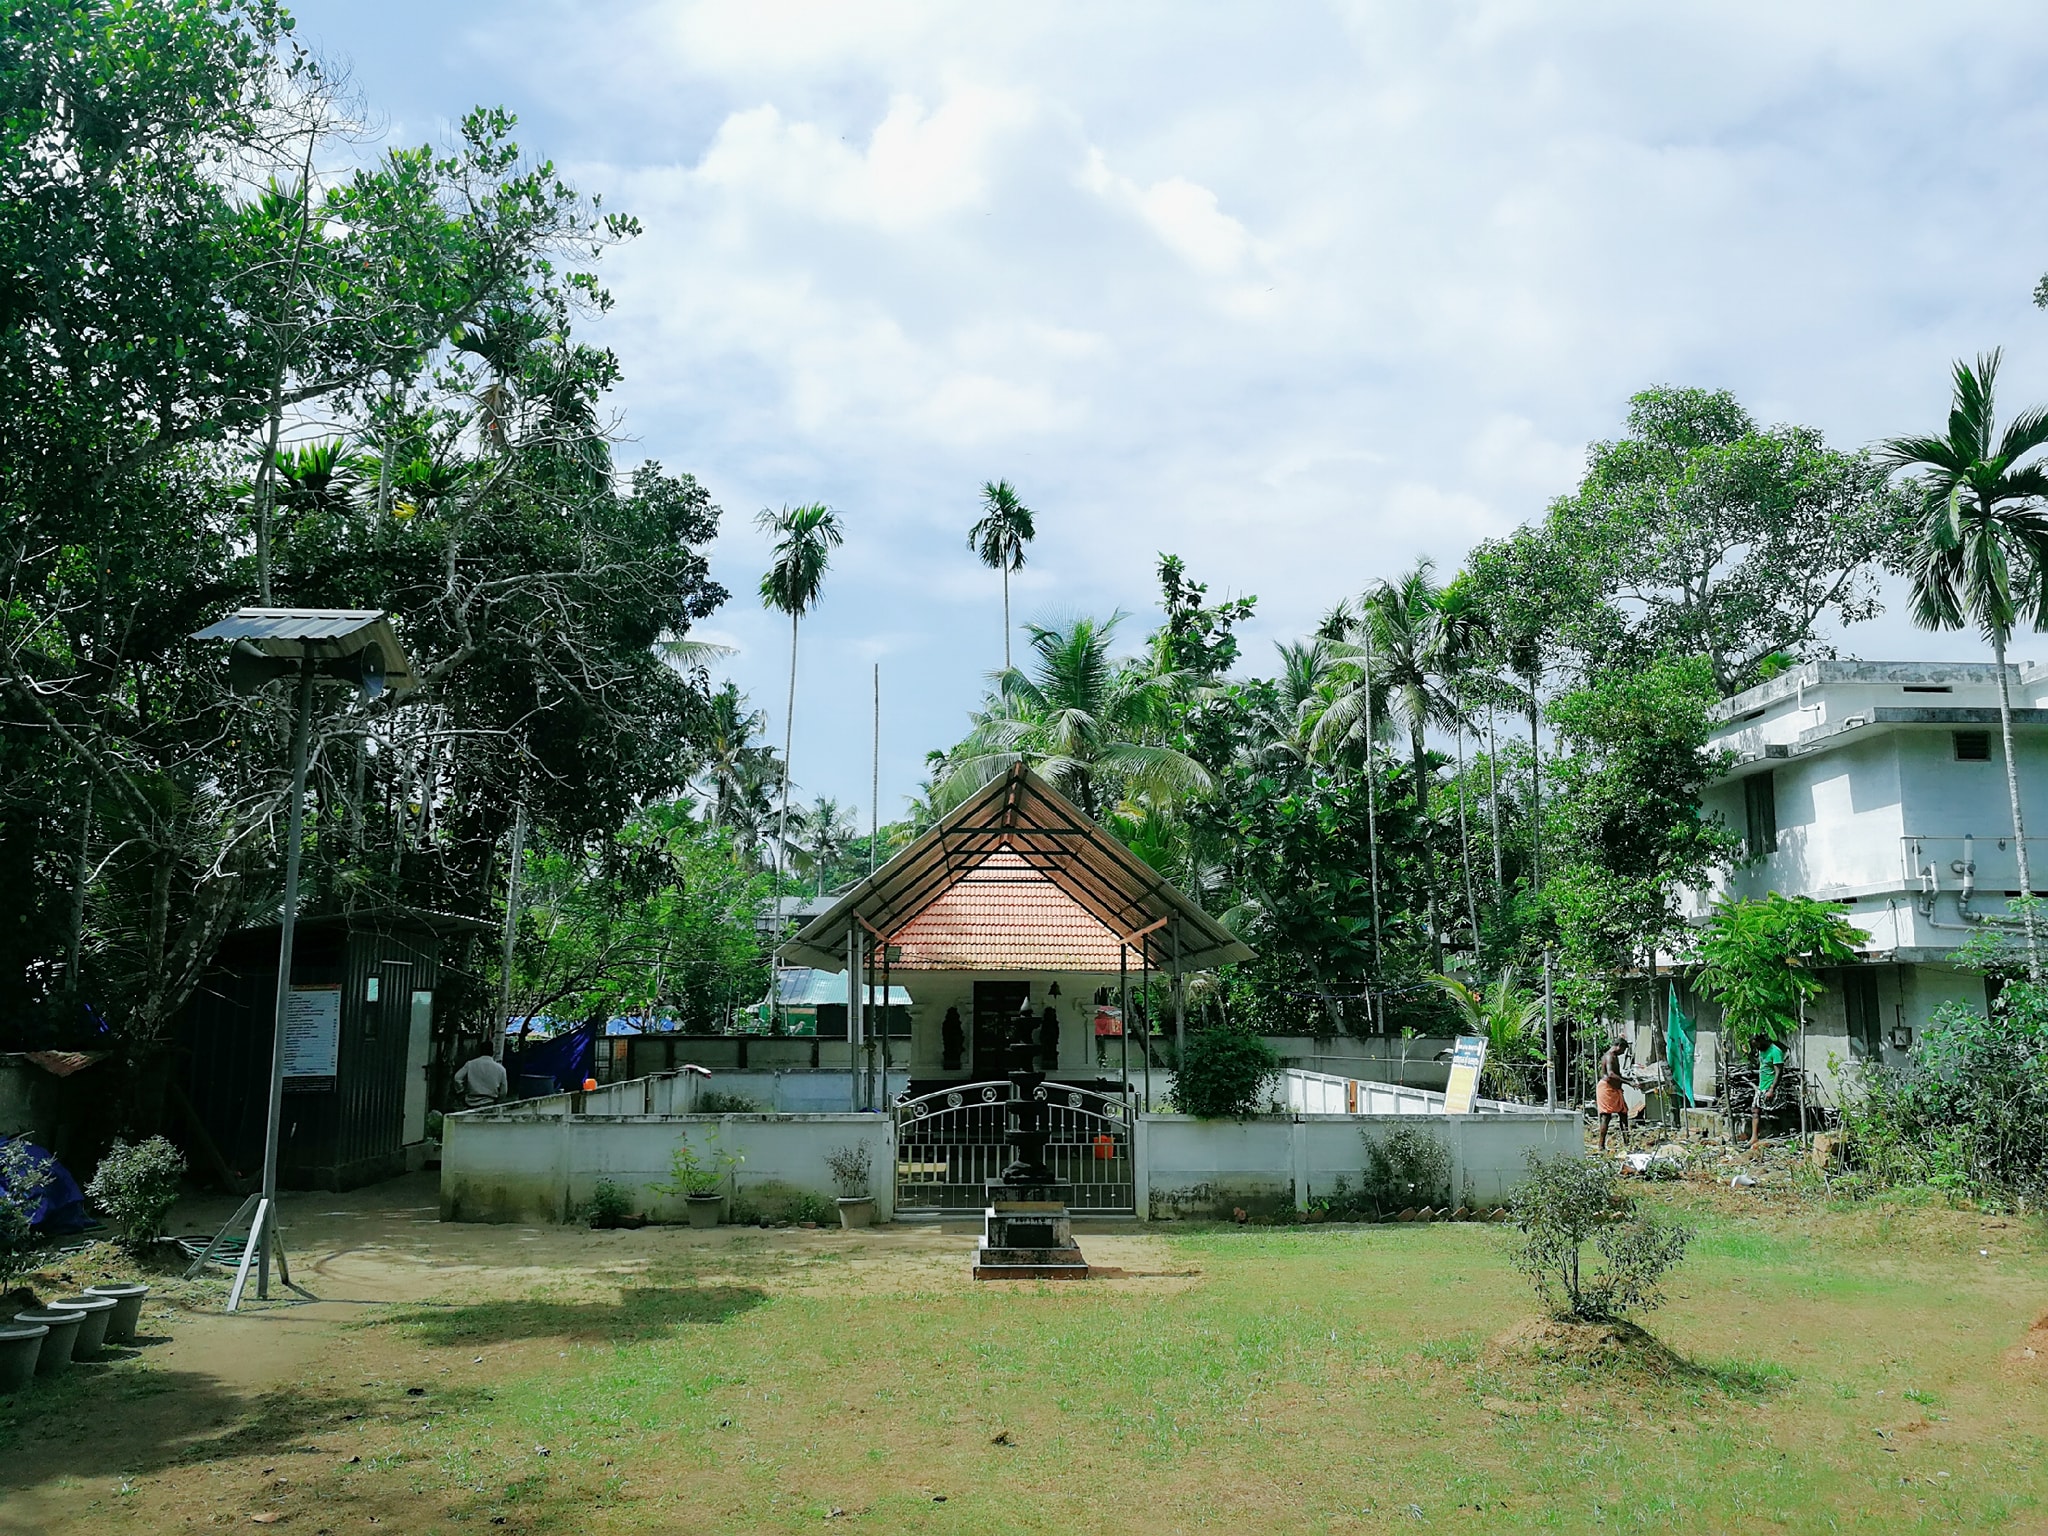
(1819, 1376)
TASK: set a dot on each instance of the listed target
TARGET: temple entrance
(949, 1144)
(996, 1004)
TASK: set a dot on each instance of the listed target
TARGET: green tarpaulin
(1678, 1047)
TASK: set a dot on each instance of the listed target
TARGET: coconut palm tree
(737, 769)
(821, 837)
(1086, 722)
(1459, 642)
(1980, 550)
(804, 540)
(999, 538)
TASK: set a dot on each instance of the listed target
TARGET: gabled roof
(1051, 840)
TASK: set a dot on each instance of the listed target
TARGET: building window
(1760, 811)
(1973, 746)
(1866, 1034)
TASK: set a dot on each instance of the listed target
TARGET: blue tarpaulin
(60, 1208)
(552, 1066)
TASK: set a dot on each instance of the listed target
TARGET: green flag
(1678, 1046)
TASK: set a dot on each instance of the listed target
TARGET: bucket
(55, 1356)
(94, 1313)
(20, 1345)
(126, 1318)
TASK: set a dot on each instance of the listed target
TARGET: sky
(1300, 292)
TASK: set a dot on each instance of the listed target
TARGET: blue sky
(1299, 292)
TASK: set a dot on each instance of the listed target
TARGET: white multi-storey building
(1881, 786)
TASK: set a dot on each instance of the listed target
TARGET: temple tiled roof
(1005, 916)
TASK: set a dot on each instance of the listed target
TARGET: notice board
(1468, 1055)
(312, 1031)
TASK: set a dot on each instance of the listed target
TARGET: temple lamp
(358, 647)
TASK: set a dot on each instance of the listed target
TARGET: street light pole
(263, 1232)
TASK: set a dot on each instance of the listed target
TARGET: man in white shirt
(481, 1080)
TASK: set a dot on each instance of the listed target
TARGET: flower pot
(704, 1209)
(20, 1346)
(856, 1211)
(126, 1318)
(94, 1313)
(55, 1356)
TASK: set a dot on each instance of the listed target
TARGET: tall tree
(804, 540)
(1980, 548)
(999, 538)
(1707, 534)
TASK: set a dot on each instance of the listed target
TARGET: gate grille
(949, 1144)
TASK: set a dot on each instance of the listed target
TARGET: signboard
(312, 1031)
(1468, 1055)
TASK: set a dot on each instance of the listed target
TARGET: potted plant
(851, 1167)
(698, 1177)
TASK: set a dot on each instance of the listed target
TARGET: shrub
(1566, 1202)
(693, 1174)
(22, 1182)
(1406, 1166)
(609, 1204)
(137, 1186)
(806, 1206)
(1967, 1111)
(717, 1102)
(851, 1167)
(1225, 1073)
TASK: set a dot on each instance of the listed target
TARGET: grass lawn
(1861, 1369)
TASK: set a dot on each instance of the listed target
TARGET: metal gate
(949, 1144)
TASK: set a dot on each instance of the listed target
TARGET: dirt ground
(219, 1416)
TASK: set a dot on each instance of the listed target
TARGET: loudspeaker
(364, 668)
(251, 671)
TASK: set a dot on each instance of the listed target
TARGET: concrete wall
(541, 1160)
(1382, 1058)
(1205, 1169)
(501, 1166)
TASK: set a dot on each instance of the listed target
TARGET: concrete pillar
(1297, 1147)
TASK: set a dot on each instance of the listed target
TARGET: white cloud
(1297, 292)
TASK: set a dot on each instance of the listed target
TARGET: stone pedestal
(1027, 1235)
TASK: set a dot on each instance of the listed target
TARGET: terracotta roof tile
(1005, 916)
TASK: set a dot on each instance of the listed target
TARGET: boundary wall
(541, 1159)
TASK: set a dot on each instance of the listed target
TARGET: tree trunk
(2019, 825)
(1006, 618)
(1535, 792)
(1493, 805)
(788, 741)
(1421, 764)
(1465, 847)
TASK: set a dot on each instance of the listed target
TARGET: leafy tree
(1198, 638)
(1980, 548)
(1761, 960)
(1625, 816)
(1706, 534)
(1006, 526)
(804, 540)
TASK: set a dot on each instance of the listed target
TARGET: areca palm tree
(1980, 551)
(1511, 1021)
(804, 540)
(1005, 527)
(1461, 636)
(1090, 724)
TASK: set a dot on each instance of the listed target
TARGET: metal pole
(854, 1020)
(264, 1232)
(1145, 971)
(875, 792)
(1123, 1013)
(1549, 1040)
(887, 983)
(511, 923)
(1180, 1012)
(1800, 1081)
